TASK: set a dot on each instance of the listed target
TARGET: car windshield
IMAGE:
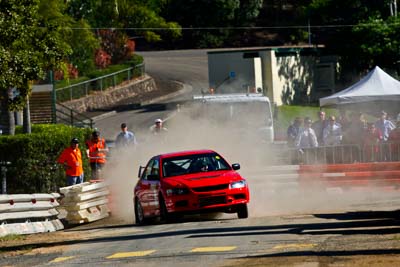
(193, 164)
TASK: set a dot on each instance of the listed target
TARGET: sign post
(4, 176)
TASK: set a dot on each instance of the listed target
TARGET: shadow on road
(359, 223)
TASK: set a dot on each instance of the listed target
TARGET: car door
(148, 188)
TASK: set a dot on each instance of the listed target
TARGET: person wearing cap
(71, 159)
(158, 127)
(96, 148)
(125, 138)
(293, 130)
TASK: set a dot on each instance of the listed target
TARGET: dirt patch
(317, 261)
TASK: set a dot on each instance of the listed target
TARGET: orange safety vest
(95, 155)
(73, 158)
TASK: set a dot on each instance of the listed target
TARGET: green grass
(286, 115)
(11, 237)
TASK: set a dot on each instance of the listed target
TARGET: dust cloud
(245, 145)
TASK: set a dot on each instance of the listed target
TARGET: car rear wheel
(139, 215)
(242, 211)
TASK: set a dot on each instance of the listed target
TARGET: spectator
(306, 137)
(125, 138)
(319, 126)
(332, 134)
(71, 159)
(384, 125)
(305, 140)
(342, 120)
(394, 139)
(356, 129)
(96, 148)
(158, 127)
(293, 130)
(371, 140)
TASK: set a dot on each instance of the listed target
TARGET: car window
(193, 164)
(151, 168)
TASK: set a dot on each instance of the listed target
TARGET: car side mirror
(236, 166)
(141, 168)
(153, 177)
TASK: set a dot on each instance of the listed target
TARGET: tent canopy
(376, 91)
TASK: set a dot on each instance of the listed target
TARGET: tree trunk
(27, 117)
(7, 120)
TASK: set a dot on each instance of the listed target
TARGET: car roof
(186, 153)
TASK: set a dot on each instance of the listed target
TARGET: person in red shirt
(371, 140)
(71, 159)
(95, 149)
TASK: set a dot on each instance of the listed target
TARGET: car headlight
(177, 191)
(238, 184)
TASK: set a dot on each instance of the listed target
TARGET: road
(285, 228)
(324, 239)
(186, 66)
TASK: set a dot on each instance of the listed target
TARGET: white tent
(376, 91)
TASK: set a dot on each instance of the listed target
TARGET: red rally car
(188, 182)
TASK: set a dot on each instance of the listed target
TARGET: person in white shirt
(306, 137)
(332, 134)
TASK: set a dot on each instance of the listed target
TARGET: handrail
(73, 119)
(98, 78)
(78, 90)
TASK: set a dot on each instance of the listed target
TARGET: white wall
(220, 65)
(285, 78)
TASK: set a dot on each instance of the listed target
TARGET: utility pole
(309, 32)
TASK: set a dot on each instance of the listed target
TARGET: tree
(29, 46)
(211, 19)
(365, 33)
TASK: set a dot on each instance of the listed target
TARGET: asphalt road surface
(324, 239)
(185, 66)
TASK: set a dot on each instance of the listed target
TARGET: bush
(33, 157)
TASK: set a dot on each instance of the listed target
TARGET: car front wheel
(242, 211)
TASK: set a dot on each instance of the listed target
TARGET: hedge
(33, 157)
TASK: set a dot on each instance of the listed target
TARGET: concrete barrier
(29, 214)
(85, 202)
(331, 178)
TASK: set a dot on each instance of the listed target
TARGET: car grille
(208, 201)
(211, 188)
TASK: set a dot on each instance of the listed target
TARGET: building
(287, 75)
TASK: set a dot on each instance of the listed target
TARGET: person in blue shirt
(293, 130)
(125, 138)
(384, 125)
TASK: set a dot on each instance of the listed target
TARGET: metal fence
(380, 152)
(85, 88)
